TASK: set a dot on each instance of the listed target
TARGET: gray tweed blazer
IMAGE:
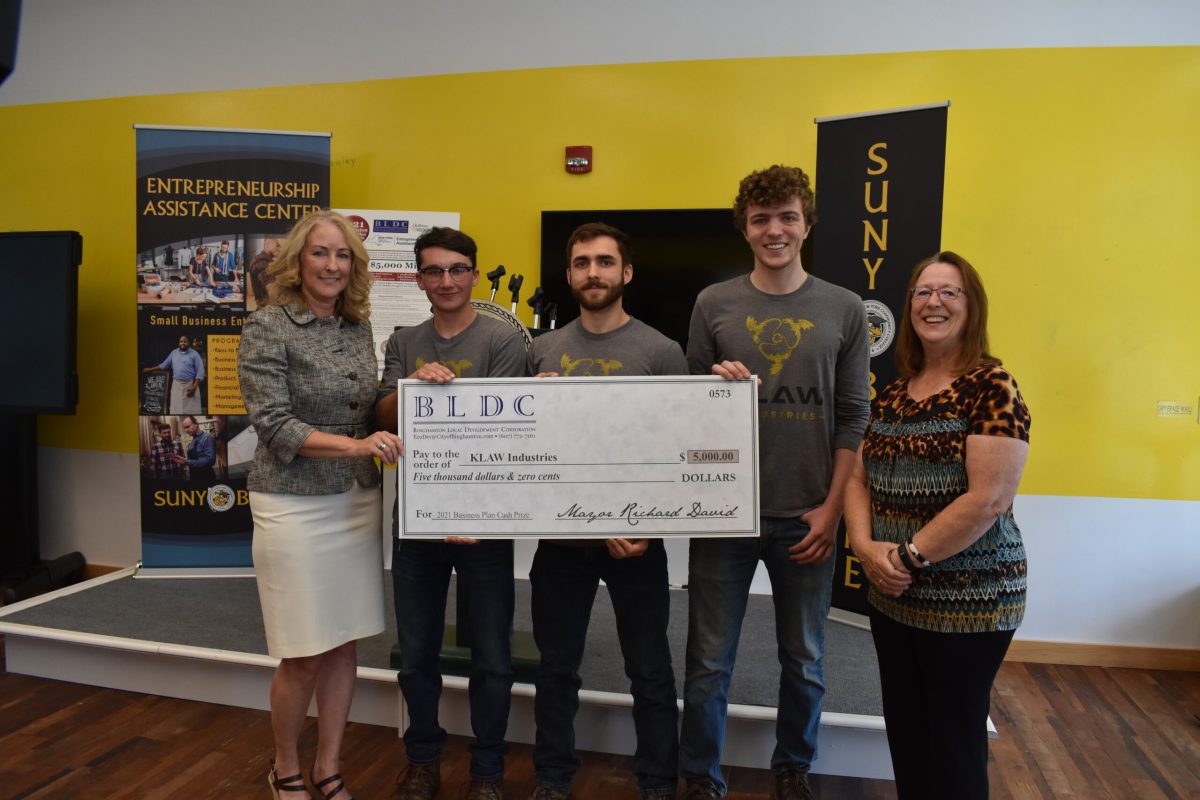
(301, 374)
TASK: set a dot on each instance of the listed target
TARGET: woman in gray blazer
(308, 375)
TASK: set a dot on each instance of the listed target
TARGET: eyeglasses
(923, 293)
(457, 272)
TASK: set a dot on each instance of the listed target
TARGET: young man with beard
(604, 340)
(224, 266)
(806, 340)
(165, 454)
(455, 342)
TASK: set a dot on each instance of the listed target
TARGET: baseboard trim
(96, 570)
(1104, 655)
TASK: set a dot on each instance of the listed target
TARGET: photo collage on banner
(389, 236)
(879, 211)
(212, 208)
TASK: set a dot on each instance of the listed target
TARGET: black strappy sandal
(336, 790)
(292, 783)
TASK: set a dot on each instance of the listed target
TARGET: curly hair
(774, 186)
(910, 355)
(354, 302)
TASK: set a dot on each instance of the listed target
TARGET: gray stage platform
(202, 638)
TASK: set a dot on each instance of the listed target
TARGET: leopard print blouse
(915, 456)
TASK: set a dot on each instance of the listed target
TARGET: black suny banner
(879, 179)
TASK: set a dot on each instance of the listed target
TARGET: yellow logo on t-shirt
(457, 366)
(584, 367)
(777, 338)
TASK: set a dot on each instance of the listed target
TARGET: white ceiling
(82, 49)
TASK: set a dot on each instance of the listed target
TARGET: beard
(599, 304)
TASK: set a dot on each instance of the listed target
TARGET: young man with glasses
(455, 342)
(806, 340)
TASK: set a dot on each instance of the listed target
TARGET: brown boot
(700, 789)
(485, 790)
(792, 784)
(419, 782)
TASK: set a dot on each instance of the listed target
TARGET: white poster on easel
(396, 302)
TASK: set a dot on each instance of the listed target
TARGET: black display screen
(676, 253)
(38, 306)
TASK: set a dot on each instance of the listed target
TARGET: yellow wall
(1073, 183)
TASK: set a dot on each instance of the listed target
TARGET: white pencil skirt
(319, 564)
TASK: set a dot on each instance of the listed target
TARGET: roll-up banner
(879, 178)
(211, 207)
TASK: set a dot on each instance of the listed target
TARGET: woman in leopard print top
(929, 514)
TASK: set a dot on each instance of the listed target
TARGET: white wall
(88, 501)
(83, 49)
(1111, 570)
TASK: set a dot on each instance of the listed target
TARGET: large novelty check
(579, 458)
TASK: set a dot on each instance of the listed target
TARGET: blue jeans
(420, 578)
(720, 572)
(563, 580)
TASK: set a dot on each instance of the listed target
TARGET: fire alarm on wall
(579, 159)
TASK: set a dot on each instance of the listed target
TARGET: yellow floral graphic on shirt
(458, 366)
(777, 338)
(584, 367)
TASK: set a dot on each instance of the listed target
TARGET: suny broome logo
(217, 498)
(881, 326)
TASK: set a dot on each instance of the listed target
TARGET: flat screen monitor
(38, 305)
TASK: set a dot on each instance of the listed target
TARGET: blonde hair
(354, 302)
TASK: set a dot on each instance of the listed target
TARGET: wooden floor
(1079, 732)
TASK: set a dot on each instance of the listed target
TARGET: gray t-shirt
(486, 349)
(809, 348)
(632, 349)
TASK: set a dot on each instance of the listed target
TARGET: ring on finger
(382, 446)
